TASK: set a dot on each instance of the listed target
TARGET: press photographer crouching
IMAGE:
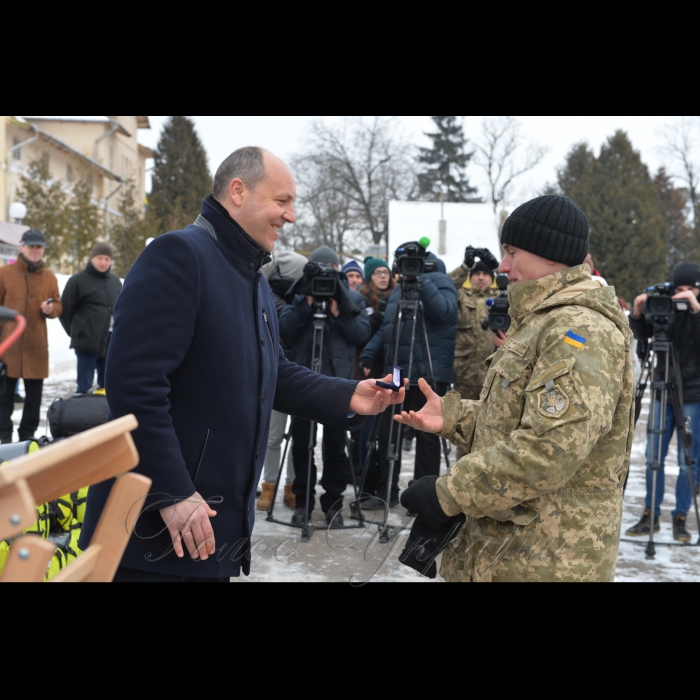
(323, 292)
(438, 295)
(684, 334)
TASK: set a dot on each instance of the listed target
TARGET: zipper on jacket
(201, 459)
(267, 323)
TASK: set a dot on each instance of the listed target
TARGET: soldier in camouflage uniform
(474, 345)
(549, 441)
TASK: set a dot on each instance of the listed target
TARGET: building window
(17, 153)
(46, 160)
(69, 173)
(90, 183)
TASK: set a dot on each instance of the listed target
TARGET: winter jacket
(25, 292)
(88, 304)
(346, 334)
(548, 445)
(685, 336)
(195, 357)
(439, 297)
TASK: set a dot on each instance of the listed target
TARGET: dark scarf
(92, 270)
(31, 266)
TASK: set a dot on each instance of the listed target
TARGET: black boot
(643, 527)
(680, 534)
(299, 517)
(334, 519)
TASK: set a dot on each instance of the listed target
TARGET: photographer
(462, 273)
(349, 329)
(439, 297)
(685, 337)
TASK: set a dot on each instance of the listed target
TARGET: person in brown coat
(28, 287)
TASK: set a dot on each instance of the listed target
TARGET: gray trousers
(278, 424)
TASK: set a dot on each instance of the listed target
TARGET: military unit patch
(574, 340)
(552, 401)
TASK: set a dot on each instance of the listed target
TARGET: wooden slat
(117, 523)
(79, 569)
(16, 502)
(33, 568)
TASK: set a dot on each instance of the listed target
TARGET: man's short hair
(246, 164)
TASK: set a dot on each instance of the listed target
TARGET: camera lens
(661, 306)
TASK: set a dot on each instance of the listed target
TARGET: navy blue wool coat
(439, 297)
(195, 356)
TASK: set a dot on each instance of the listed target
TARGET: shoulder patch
(552, 401)
(574, 340)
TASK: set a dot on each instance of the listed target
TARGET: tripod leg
(306, 531)
(287, 441)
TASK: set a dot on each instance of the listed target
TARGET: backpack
(68, 417)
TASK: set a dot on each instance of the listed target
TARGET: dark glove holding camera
(469, 257)
(425, 545)
(488, 258)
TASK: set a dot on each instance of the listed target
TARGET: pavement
(358, 557)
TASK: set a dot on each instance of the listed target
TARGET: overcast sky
(285, 136)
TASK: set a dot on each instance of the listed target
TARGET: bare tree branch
(504, 156)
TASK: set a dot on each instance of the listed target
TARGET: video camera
(410, 260)
(661, 308)
(498, 318)
(323, 282)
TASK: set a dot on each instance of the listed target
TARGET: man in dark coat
(197, 319)
(88, 306)
(346, 332)
(439, 298)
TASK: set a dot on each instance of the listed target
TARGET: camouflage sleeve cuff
(447, 503)
(451, 410)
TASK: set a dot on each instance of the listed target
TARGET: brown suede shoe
(290, 500)
(268, 492)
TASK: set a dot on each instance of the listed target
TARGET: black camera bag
(68, 417)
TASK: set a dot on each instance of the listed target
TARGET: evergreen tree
(85, 221)
(181, 178)
(618, 195)
(445, 163)
(47, 205)
(674, 203)
(129, 233)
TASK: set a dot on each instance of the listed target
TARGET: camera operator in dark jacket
(685, 337)
(88, 305)
(439, 297)
(348, 328)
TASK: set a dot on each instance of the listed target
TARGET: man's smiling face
(263, 211)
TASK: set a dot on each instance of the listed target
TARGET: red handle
(16, 333)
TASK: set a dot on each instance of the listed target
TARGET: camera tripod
(409, 316)
(320, 343)
(661, 353)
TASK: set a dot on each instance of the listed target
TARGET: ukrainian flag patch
(574, 340)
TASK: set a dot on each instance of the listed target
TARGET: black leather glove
(469, 257)
(424, 545)
(420, 499)
(366, 364)
(488, 258)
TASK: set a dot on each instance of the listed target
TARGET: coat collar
(92, 270)
(527, 297)
(23, 268)
(232, 237)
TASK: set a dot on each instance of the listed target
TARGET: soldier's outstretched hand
(430, 419)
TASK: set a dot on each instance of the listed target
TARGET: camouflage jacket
(548, 444)
(474, 345)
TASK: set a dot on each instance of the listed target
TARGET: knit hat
(353, 265)
(291, 265)
(102, 248)
(552, 227)
(33, 237)
(325, 255)
(481, 267)
(686, 274)
(373, 264)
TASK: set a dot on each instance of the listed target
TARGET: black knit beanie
(481, 267)
(552, 227)
(686, 274)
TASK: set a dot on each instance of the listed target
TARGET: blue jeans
(88, 364)
(684, 494)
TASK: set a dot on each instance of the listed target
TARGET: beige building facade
(106, 148)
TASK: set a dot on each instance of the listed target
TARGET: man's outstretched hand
(430, 419)
(369, 399)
